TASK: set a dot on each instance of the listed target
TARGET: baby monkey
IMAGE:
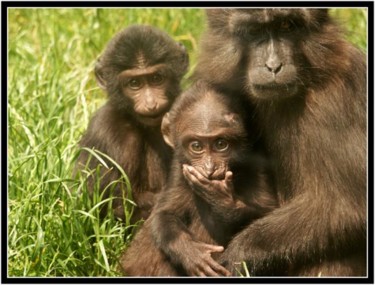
(217, 185)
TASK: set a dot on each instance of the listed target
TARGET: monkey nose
(209, 169)
(151, 105)
(274, 66)
(150, 102)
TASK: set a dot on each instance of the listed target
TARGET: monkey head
(272, 53)
(204, 131)
(141, 70)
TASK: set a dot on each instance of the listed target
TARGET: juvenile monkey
(217, 186)
(140, 69)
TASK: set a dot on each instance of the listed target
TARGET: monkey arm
(290, 232)
(219, 194)
(172, 236)
(145, 203)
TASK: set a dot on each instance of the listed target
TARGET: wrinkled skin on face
(209, 139)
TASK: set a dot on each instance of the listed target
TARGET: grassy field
(51, 97)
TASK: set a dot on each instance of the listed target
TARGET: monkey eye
(134, 84)
(157, 78)
(221, 145)
(248, 31)
(196, 147)
(286, 25)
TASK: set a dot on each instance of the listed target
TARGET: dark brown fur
(119, 131)
(308, 94)
(187, 223)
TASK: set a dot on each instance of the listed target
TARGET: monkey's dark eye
(196, 147)
(286, 26)
(134, 84)
(221, 145)
(157, 79)
(248, 31)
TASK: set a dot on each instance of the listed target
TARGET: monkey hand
(211, 191)
(242, 251)
(233, 262)
(199, 262)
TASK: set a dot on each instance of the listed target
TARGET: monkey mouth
(274, 90)
(153, 119)
(153, 116)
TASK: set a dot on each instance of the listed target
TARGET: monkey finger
(201, 274)
(190, 177)
(228, 176)
(185, 168)
(186, 172)
(214, 248)
(194, 183)
(203, 269)
(219, 269)
(208, 271)
(228, 181)
(193, 171)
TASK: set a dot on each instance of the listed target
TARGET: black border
(5, 5)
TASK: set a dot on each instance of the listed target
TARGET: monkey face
(141, 70)
(273, 46)
(147, 90)
(209, 155)
(204, 131)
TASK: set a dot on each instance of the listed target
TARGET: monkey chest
(155, 169)
(207, 227)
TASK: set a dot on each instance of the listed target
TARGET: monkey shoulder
(114, 135)
(109, 129)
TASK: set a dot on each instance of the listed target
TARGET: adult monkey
(307, 88)
(140, 69)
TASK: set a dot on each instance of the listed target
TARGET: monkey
(306, 89)
(216, 187)
(140, 69)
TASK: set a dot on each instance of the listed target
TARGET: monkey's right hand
(198, 261)
(212, 191)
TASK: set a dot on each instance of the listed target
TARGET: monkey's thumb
(216, 248)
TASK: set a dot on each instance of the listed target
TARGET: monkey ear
(166, 130)
(99, 74)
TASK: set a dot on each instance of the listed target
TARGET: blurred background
(52, 94)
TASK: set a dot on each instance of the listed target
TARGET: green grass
(52, 94)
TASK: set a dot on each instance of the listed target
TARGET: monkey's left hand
(211, 191)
